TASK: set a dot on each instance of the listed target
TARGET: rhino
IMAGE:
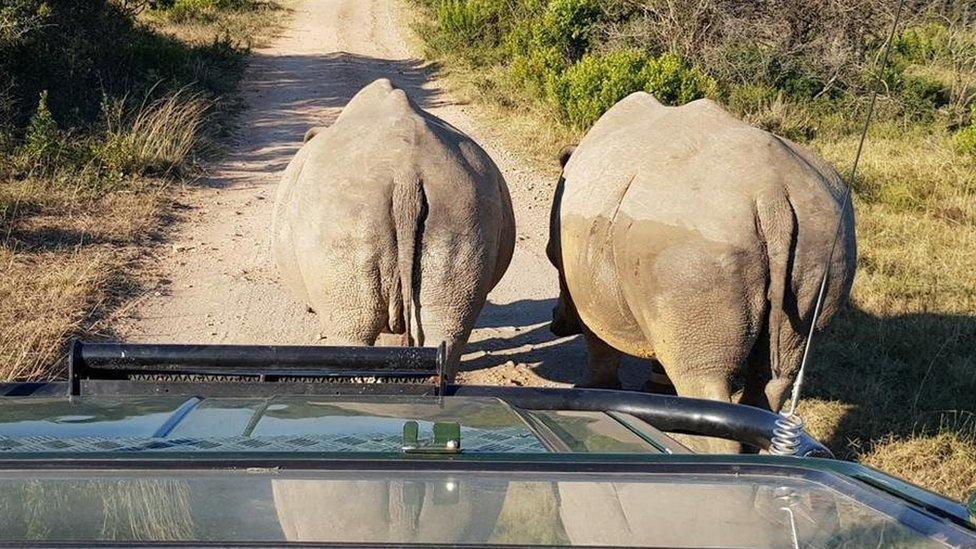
(685, 235)
(392, 221)
(386, 511)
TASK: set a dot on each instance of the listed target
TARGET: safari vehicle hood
(286, 423)
(271, 454)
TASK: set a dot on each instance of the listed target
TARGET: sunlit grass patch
(81, 197)
(60, 272)
(915, 457)
(908, 169)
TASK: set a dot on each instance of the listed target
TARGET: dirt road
(214, 279)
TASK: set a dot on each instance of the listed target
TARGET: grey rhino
(392, 221)
(686, 235)
(385, 511)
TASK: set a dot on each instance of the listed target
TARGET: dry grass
(71, 239)
(913, 458)
(161, 135)
(251, 28)
(894, 378)
(63, 273)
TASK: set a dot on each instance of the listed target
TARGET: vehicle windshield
(673, 510)
(198, 427)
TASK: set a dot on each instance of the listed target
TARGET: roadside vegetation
(104, 106)
(893, 381)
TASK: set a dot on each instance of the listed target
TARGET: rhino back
(338, 216)
(661, 201)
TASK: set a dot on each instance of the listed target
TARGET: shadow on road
(288, 94)
(520, 333)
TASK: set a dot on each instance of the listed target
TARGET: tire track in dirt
(214, 280)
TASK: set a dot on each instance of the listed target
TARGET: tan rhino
(686, 235)
(392, 221)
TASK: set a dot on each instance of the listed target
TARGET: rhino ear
(312, 132)
(565, 153)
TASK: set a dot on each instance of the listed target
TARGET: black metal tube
(725, 420)
(263, 358)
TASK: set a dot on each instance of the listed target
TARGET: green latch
(446, 440)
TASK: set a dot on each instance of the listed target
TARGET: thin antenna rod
(798, 384)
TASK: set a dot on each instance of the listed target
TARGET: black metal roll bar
(268, 363)
(693, 416)
(218, 370)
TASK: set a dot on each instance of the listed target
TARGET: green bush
(42, 139)
(468, 22)
(919, 96)
(587, 89)
(922, 96)
(594, 84)
(675, 82)
(965, 139)
(89, 48)
(56, 79)
(921, 44)
(567, 26)
(46, 149)
(189, 9)
(548, 39)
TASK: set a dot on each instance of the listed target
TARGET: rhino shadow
(519, 332)
(892, 376)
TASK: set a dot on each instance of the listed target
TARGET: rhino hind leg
(442, 326)
(603, 361)
(658, 382)
(346, 317)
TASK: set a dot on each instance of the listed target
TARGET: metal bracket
(446, 440)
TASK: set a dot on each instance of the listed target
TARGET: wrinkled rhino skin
(392, 221)
(686, 235)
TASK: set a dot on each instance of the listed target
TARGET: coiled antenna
(789, 426)
(786, 435)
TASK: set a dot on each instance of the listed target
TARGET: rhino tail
(312, 132)
(778, 228)
(409, 214)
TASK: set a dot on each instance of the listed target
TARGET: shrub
(922, 96)
(594, 84)
(918, 96)
(587, 89)
(675, 82)
(567, 25)
(470, 22)
(921, 44)
(42, 140)
(470, 29)
(538, 71)
(965, 140)
(91, 47)
(182, 10)
(550, 38)
(18, 18)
